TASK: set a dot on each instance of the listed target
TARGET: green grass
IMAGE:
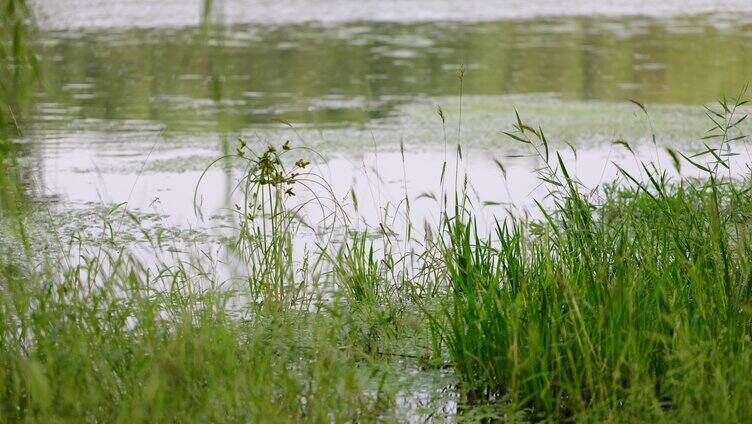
(631, 302)
(628, 303)
(634, 304)
(126, 352)
(636, 308)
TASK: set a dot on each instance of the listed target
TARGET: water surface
(137, 100)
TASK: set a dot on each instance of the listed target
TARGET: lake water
(140, 96)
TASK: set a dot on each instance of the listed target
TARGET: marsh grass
(627, 302)
(123, 351)
(630, 305)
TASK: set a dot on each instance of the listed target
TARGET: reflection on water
(185, 78)
(381, 180)
(135, 114)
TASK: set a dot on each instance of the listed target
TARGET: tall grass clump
(18, 74)
(366, 288)
(635, 304)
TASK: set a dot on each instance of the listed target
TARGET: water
(138, 99)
